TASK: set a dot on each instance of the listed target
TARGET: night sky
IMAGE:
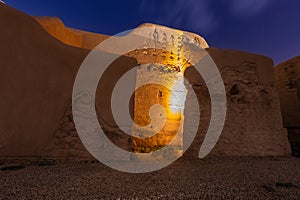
(267, 27)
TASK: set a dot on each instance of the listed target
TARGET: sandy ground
(218, 178)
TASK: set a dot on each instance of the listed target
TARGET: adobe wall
(77, 38)
(37, 76)
(287, 76)
(253, 125)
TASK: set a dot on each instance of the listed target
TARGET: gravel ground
(218, 178)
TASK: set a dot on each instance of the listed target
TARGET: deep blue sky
(267, 27)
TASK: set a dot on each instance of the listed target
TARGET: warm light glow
(174, 59)
(170, 64)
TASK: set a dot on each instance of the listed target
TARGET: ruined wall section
(287, 76)
(253, 125)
